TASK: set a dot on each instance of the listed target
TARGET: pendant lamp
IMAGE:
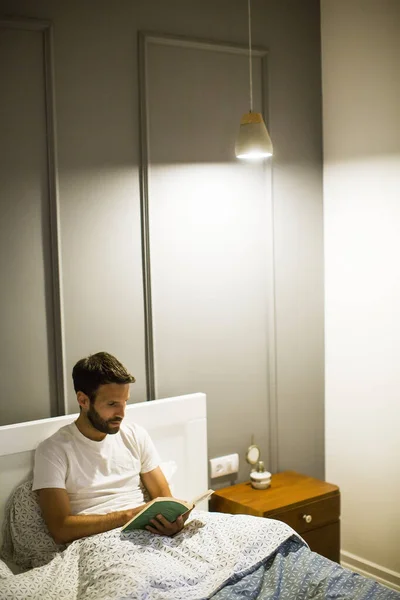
(253, 140)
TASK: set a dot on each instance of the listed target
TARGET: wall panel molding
(144, 40)
(144, 212)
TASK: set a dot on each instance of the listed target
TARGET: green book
(170, 508)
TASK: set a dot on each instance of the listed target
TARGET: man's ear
(83, 400)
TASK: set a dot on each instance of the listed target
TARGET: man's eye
(111, 404)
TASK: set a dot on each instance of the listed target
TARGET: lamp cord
(250, 61)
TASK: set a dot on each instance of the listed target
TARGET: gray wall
(361, 84)
(98, 153)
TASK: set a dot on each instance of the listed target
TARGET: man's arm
(65, 528)
(156, 484)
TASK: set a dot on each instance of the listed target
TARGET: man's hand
(161, 526)
(129, 513)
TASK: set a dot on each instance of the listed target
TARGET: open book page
(202, 497)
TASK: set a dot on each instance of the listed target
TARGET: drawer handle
(307, 518)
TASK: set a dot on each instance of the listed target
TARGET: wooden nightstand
(310, 506)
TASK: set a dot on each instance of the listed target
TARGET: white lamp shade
(253, 140)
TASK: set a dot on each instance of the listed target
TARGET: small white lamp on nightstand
(259, 477)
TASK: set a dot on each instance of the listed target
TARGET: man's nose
(120, 412)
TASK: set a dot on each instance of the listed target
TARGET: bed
(217, 556)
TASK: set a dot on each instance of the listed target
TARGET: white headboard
(177, 426)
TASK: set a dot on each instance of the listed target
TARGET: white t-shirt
(100, 477)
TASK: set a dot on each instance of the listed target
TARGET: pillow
(5, 572)
(26, 539)
(169, 469)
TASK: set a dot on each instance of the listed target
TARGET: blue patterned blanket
(296, 573)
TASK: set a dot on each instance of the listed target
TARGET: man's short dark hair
(98, 369)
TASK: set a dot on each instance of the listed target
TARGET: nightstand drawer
(325, 540)
(307, 517)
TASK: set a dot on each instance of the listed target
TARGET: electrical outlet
(224, 465)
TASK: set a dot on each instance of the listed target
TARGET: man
(88, 473)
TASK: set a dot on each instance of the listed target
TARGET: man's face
(108, 409)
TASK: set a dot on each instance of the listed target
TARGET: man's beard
(99, 423)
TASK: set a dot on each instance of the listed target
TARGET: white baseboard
(369, 569)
